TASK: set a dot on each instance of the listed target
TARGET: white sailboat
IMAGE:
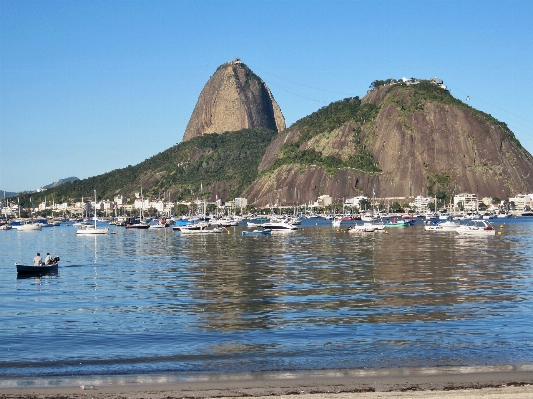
(91, 230)
(27, 225)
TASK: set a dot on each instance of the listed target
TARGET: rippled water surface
(152, 301)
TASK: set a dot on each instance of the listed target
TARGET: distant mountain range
(8, 194)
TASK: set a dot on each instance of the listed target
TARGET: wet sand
(406, 383)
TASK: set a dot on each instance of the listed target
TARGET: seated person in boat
(37, 261)
(49, 261)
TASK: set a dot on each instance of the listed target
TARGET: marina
(152, 301)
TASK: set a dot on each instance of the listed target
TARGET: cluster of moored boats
(466, 224)
(471, 226)
(263, 226)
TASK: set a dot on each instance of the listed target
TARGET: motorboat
(136, 223)
(43, 269)
(443, 226)
(477, 228)
(181, 223)
(90, 230)
(363, 228)
(160, 224)
(5, 226)
(367, 218)
(444, 215)
(257, 222)
(527, 212)
(379, 226)
(201, 228)
(488, 215)
(404, 222)
(503, 215)
(29, 226)
(280, 226)
(257, 233)
(225, 222)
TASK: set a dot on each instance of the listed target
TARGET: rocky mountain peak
(234, 98)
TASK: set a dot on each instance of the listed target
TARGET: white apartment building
(142, 203)
(465, 201)
(355, 201)
(323, 201)
(120, 200)
(241, 202)
(521, 201)
(421, 203)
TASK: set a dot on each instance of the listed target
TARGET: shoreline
(458, 382)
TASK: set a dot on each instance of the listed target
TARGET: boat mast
(95, 209)
(142, 204)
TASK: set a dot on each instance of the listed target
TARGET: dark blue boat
(30, 269)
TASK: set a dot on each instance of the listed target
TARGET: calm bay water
(157, 302)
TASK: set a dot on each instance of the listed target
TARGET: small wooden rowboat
(30, 269)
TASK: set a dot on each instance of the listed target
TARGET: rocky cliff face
(234, 98)
(398, 141)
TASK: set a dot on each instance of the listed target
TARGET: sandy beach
(406, 383)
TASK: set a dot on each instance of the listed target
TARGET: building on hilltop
(438, 82)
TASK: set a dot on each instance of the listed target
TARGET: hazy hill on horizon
(8, 194)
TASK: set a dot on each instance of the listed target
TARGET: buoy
(499, 233)
(386, 232)
(501, 226)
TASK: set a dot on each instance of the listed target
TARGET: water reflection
(271, 301)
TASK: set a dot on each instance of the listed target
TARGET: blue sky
(91, 86)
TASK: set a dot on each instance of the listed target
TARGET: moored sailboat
(91, 230)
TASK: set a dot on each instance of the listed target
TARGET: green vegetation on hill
(428, 92)
(328, 119)
(232, 158)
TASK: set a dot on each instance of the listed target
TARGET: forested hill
(211, 166)
(401, 140)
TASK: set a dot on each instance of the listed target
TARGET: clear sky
(91, 86)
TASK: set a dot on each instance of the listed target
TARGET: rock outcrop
(234, 98)
(398, 141)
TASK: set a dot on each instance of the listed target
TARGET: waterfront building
(465, 202)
